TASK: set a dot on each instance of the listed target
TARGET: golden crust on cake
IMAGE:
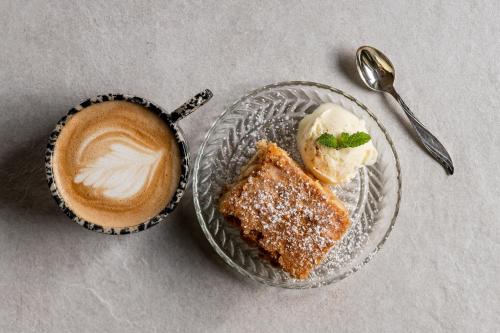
(288, 214)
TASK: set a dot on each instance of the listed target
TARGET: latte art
(122, 172)
(116, 164)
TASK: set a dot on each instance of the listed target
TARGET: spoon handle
(431, 143)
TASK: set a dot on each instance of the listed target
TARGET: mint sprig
(344, 140)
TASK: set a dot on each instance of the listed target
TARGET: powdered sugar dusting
(285, 211)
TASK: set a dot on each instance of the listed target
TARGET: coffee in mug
(117, 164)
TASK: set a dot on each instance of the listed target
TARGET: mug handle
(191, 105)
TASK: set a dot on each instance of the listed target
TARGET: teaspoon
(378, 74)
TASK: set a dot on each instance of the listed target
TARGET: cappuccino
(116, 164)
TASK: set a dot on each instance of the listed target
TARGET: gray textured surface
(437, 272)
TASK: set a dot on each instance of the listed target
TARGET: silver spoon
(377, 73)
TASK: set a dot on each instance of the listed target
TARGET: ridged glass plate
(273, 113)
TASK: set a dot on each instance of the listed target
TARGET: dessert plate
(273, 113)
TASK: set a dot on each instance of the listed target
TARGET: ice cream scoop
(329, 165)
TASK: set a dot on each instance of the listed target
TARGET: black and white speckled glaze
(169, 119)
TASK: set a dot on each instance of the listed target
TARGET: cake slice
(288, 214)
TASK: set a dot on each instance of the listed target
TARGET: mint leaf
(358, 139)
(344, 140)
(327, 140)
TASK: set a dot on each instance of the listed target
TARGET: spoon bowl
(375, 69)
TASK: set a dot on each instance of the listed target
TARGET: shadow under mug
(170, 119)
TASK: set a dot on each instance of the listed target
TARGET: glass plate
(273, 113)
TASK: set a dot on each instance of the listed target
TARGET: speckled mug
(170, 119)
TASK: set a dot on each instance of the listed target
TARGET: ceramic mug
(170, 119)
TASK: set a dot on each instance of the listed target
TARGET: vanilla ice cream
(330, 165)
